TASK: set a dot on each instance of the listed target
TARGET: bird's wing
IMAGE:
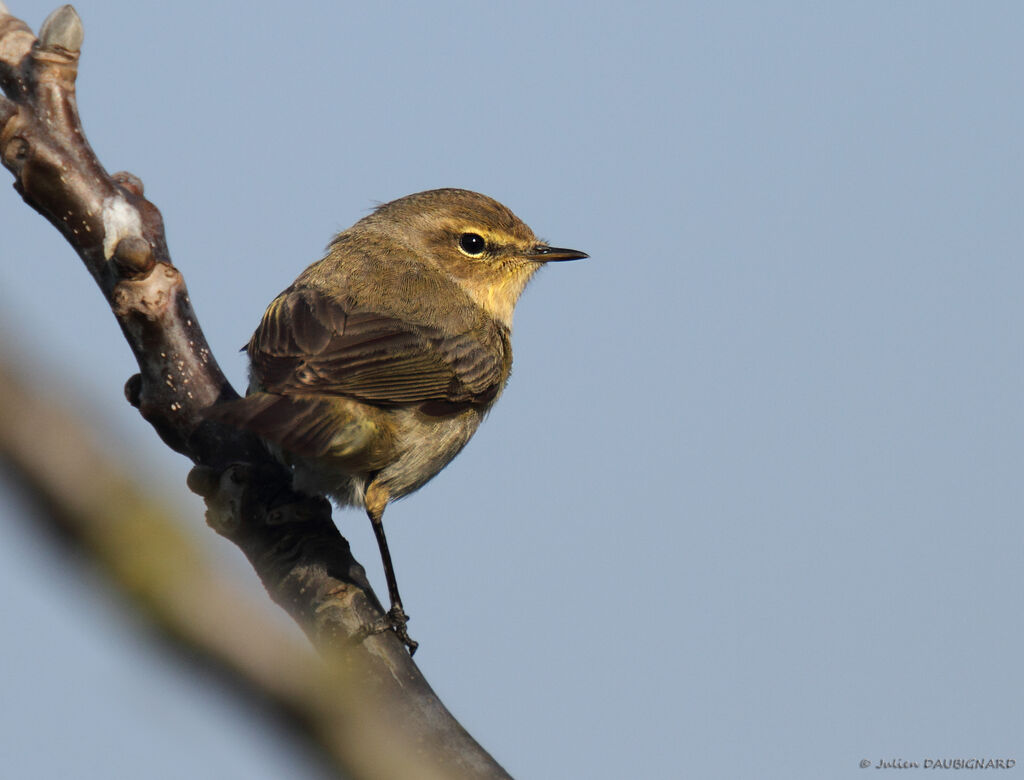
(311, 344)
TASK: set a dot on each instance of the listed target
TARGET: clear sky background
(751, 505)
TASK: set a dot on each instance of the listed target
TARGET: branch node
(148, 297)
(133, 257)
(130, 182)
(62, 29)
(225, 497)
(15, 153)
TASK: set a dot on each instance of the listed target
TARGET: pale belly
(424, 445)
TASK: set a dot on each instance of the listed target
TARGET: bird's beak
(542, 253)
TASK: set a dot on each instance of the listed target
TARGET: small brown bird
(375, 367)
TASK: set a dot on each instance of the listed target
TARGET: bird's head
(474, 240)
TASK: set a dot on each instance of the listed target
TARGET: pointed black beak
(542, 253)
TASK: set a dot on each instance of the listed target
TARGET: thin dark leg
(396, 615)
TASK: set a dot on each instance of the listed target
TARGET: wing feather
(312, 344)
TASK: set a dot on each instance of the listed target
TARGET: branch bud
(62, 28)
(133, 390)
(129, 181)
(134, 256)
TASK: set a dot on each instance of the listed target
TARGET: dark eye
(472, 244)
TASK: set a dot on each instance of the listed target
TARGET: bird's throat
(498, 296)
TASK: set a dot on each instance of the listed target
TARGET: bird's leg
(397, 619)
(376, 500)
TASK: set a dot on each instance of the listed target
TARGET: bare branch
(289, 538)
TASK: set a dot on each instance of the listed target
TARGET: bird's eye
(472, 244)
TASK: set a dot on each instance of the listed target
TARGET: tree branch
(289, 538)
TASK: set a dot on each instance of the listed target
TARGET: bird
(373, 369)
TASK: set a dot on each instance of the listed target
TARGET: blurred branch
(289, 538)
(102, 512)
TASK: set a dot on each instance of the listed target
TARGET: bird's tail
(309, 426)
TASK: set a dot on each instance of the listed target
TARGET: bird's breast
(428, 444)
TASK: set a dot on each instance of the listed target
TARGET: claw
(395, 620)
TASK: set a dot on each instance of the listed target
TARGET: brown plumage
(375, 367)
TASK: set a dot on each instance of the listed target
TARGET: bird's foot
(395, 620)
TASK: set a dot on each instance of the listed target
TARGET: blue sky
(751, 503)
